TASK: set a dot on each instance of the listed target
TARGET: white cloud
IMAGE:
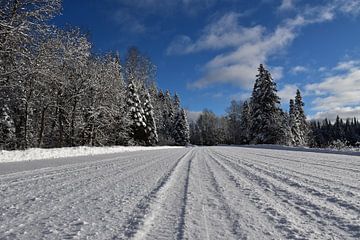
(348, 6)
(286, 5)
(344, 113)
(347, 65)
(287, 92)
(277, 72)
(223, 33)
(241, 96)
(246, 47)
(298, 69)
(338, 91)
(322, 69)
(128, 22)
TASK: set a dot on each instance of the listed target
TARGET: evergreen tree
(181, 129)
(137, 115)
(245, 123)
(285, 130)
(265, 111)
(168, 117)
(302, 125)
(151, 131)
(294, 124)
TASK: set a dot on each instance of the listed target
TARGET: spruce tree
(245, 123)
(303, 126)
(181, 128)
(168, 116)
(265, 110)
(137, 115)
(151, 131)
(294, 124)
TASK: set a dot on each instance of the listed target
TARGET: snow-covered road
(184, 193)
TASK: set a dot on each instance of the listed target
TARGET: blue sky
(209, 50)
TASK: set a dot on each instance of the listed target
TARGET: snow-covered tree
(245, 123)
(294, 124)
(297, 121)
(181, 130)
(233, 116)
(7, 129)
(208, 126)
(54, 92)
(265, 110)
(165, 129)
(23, 24)
(151, 130)
(137, 115)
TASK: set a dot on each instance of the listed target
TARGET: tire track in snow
(344, 200)
(309, 157)
(139, 223)
(181, 225)
(315, 211)
(86, 196)
(288, 223)
(326, 196)
(321, 165)
(203, 207)
(13, 179)
(232, 217)
(76, 179)
(292, 171)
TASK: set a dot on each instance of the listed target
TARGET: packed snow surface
(183, 193)
(42, 153)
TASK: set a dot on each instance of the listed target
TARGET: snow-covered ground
(42, 153)
(184, 193)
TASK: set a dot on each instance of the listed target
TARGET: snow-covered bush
(340, 144)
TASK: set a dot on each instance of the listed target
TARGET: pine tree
(181, 131)
(137, 115)
(294, 124)
(265, 111)
(302, 125)
(151, 131)
(168, 118)
(245, 123)
(285, 130)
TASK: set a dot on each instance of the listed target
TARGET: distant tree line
(324, 133)
(54, 92)
(260, 120)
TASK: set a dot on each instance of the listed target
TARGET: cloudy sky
(209, 50)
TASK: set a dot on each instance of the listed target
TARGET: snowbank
(41, 153)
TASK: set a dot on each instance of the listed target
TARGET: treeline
(55, 92)
(325, 133)
(260, 120)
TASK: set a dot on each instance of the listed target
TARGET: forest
(260, 120)
(56, 92)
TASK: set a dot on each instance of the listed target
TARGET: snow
(41, 153)
(354, 151)
(184, 193)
